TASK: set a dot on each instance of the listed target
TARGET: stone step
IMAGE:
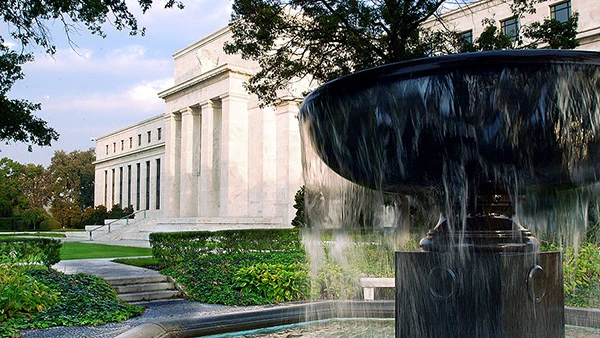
(77, 234)
(148, 296)
(135, 236)
(138, 288)
(144, 288)
(137, 280)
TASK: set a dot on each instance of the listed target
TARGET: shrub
(334, 282)
(12, 224)
(299, 220)
(116, 212)
(94, 216)
(174, 247)
(211, 278)
(26, 250)
(33, 218)
(49, 224)
(20, 294)
(264, 283)
(582, 275)
(581, 269)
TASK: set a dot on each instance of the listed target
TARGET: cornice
(204, 41)
(127, 154)
(222, 69)
(146, 121)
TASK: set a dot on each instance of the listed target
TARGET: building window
(465, 40)
(138, 186)
(122, 145)
(114, 147)
(466, 37)
(121, 186)
(158, 183)
(147, 185)
(105, 186)
(149, 136)
(130, 142)
(561, 12)
(129, 186)
(112, 190)
(107, 149)
(159, 133)
(139, 139)
(510, 28)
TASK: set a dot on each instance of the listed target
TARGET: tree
(27, 24)
(36, 185)
(12, 200)
(72, 177)
(17, 120)
(67, 213)
(325, 39)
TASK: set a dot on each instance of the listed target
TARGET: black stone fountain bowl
(531, 117)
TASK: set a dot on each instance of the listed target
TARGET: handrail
(116, 220)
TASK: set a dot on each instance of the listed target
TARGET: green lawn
(78, 250)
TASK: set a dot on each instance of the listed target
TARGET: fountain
(482, 135)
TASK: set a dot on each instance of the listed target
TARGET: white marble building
(215, 159)
(129, 166)
(214, 156)
(469, 19)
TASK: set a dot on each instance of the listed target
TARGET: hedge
(23, 250)
(173, 247)
(218, 279)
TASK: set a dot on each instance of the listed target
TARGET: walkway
(155, 311)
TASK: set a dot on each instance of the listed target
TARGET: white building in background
(129, 163)
(469, 19)
(214, 159)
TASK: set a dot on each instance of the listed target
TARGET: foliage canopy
(27, 22)
(325, 39)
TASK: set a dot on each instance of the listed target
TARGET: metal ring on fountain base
(481, 234)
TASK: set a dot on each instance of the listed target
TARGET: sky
(102, 85)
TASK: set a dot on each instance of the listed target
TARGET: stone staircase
(130, 232)
(141, 289)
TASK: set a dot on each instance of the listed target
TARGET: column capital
(175, 115)
(207, 104)
(189, 111)
(288, 107)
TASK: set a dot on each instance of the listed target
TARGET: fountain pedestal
(479, 294)
(458, 129)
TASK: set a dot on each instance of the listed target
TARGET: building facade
(129, 166)
(214, 154)
(215, 157)
(469, 20)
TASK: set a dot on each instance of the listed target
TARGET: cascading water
(491, 142)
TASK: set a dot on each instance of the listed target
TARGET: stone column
(234, 156)
(269, 163)
(289, 161)
(209, 159)
(190, 162)
(172, 164)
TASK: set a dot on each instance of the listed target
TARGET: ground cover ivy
(75, 300)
